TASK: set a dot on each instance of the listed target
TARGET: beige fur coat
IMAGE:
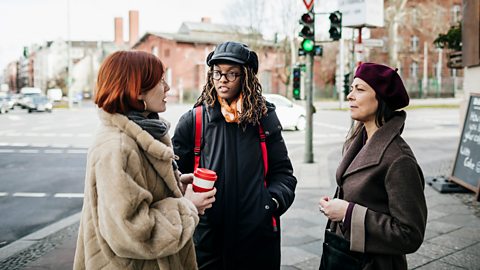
(134, 215)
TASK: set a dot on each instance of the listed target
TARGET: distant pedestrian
(134, 214)
(241, 141)
(379, 205)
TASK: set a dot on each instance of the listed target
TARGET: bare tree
(395, 14)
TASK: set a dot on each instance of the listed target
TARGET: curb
(33, 238)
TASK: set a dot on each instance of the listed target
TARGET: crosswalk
(41, 148)
(41, 195)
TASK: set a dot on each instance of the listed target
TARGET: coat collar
(357, 157)
(160, 149)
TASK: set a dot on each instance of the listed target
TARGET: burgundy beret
(386, 82)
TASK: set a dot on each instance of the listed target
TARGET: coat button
(267, 207)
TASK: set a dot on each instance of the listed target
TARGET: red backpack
(198, 141)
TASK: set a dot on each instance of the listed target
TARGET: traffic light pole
(309, 95)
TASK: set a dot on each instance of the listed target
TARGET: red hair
(123, 76)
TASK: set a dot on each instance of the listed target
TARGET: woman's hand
(185, 179)
(334, 210)
(201, 200)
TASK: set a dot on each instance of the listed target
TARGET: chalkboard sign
(466, 168)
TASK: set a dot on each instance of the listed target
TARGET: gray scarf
(151, 124)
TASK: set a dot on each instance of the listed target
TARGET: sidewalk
(452, 239)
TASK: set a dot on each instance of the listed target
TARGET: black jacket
(237, 232)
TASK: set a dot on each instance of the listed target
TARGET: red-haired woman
(134, 214)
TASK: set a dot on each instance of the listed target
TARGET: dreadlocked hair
(253, 105)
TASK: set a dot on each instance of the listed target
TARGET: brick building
(184, 52)
(421, 65)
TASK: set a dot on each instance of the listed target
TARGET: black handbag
(337, 254)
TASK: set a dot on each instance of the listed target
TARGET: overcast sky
(26, 22)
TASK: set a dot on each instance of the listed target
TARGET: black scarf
(150, 123)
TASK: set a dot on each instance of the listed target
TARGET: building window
(414, 16)
(155, 51)
(414, 43)
(456, 14)
(413, 70)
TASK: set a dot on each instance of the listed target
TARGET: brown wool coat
(134, 215)
(386, 184)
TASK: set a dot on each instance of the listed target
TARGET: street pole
(309, 105)
(69, 63)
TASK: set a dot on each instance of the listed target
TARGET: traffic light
(346, 85)
(335, 25)
(296, 83)
(308, 32)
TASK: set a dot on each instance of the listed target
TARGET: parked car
(291, 115)
(10, 99)
(39, 103)
(4, 106)
(26, 94)
(55, 94)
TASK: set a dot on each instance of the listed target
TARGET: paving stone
(474, 250)
(315, 247)
(433, 215)
(415, 260)
(430, 234)
(441, 227)
(463, 220)
(311, 264)
(294, 255)
(441, 199)
(463, 259)
(289, 267)
(295, 240)
(467, 233)
(453, 242)
(298, 222)
(457, 208)
(434, 251)
(437, 265)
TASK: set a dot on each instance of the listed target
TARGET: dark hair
(253, 106)
(123, 76)
(382, 115)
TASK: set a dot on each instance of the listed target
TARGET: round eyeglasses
(230, 76)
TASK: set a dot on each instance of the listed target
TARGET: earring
(144, 105)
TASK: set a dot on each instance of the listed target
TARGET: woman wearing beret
(379, 205)
(134, 215)
(242, 229)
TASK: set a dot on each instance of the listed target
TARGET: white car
(291, 115)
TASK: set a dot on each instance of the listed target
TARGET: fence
(432, 88)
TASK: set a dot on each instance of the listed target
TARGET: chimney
(118, 31)
(133, 27)
(206, 20)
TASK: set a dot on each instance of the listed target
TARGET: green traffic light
(308, 45)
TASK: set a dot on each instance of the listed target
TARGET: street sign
(373, 42)
(308, 5)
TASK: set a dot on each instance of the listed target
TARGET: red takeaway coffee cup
(203, 180)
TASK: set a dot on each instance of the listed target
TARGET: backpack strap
(263, 146)
(198, 135)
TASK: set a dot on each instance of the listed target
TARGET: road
(43, 155)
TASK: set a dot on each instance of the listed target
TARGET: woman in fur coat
(134, 213)
(380, 204)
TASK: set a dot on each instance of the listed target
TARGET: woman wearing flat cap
(379, 206)
(241, 141)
